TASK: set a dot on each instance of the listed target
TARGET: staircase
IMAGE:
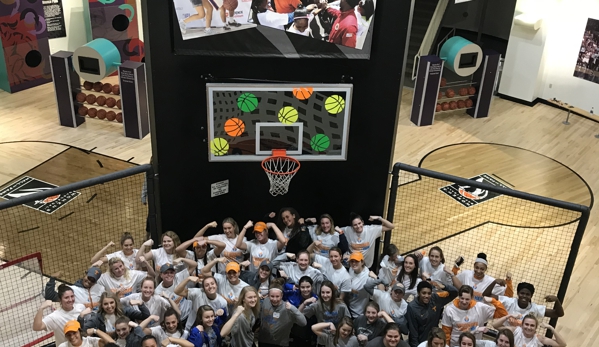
(424, 11)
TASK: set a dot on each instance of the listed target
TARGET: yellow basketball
(288, 115)
(334, 104)
(219, 146)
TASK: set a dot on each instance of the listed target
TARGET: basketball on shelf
(101, 114)
(280, 169)
(119, 117)
(469, 103)
(303, 93)
(234, 127)
(288, 115)
(453, 105)
(101, 100)
(471, 90)
(92, 112)
(443, 82)
(247, 102)
(116, 90)
(80, 97)
(107, 88)
(440, 96)
(450, 93)
(90, 99)
(110, 102)
(98, 86)
(110, 115)
(445, 106)
(82, 110)
(219, 146)
(320, 142)
(463, 91)
(461, 103)
(438, 108)
(88, 85)
(334, 104)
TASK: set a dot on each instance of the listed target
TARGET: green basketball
(320, 142)
(334, 104)
(219, 146)
(247, 102)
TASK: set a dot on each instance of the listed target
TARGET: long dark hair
(334, 295)
(296, 226)
(413, 275)
(169, 312)
(200, 313)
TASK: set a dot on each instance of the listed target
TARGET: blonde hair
(115, 260)
(242, 294)
(533, 317)
(118, 309)
(319, 228)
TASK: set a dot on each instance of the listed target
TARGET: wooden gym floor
(31, 116)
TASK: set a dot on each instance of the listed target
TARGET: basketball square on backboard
(247, 121)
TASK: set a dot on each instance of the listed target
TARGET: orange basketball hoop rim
(280, 169)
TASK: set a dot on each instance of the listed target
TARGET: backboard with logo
(247, 121)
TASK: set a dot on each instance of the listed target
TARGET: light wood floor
(31, 115)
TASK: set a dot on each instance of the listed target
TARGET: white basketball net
(280, 171)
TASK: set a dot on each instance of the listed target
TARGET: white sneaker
(183, 27)
(208, 31)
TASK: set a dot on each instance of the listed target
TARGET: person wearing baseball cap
(72, 331)
(87, 291)
(229, 285)
(391, 302)
(259, 279)
(361, 238)
(359, 275)
(261, 248)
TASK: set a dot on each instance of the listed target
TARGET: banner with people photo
(285, 28)
(587, 65)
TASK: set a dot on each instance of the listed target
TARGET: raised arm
(499, 323)
(185, 245)
(147, 321)
(319, 328)
(559, 340)
(145, 251)
(386, 224)
(201, 232)
(173, 304)
(104, 336)
(189, 263)
(386, 317)
(297, 317)
(557, 311)
(371, 284)
(489, 290)
(149, 267)
(206, 270)
(313, 246)
(240, 244)
(226, 330)
(101, 255)
(281, 241)
(38, 324)
(181, 288)
(219, 246)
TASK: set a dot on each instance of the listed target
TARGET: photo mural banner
(587, 65)
(275, 28)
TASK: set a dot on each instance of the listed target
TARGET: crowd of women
(308, 283)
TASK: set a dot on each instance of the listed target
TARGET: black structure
(178, 113)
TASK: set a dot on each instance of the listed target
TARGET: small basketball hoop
(280, 169)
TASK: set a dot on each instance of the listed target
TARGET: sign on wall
(587, 64)
(54, 18)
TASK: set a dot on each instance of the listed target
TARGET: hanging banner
(54, 18)
(283, 28)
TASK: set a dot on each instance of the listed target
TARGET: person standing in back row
(361, 237)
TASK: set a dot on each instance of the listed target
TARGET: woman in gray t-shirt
(241, 323)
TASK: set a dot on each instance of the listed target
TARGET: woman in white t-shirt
(293, 271)
(228, 237)
(479, 281)
(127, 252)
(208, 294)
(157, 304)
(72, 331)
(166, 253)
(390, 264)
(526, 335)
(56, 320)
(332, 267)
(433, 268)
(204, 250)
(325, 233)
(120, 279)
(467, 314)
(170, 329)
(110, 310)
(261, 248)
(359, 274)
(361, 238)
(408, 275)
(505, 338)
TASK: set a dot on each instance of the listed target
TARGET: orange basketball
(234, 127)
(453, 105)
(445, 106)
(471, 90)
(461, 104)
(469, 103)
(438, 108)
(443, 82)
(463, 91)
(450, 93)
(303, 93)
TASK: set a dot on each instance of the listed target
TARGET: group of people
(588, 58)
(343, 22)
(307, 283)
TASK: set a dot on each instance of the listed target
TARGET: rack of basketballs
(449, 100)
(100, 101)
